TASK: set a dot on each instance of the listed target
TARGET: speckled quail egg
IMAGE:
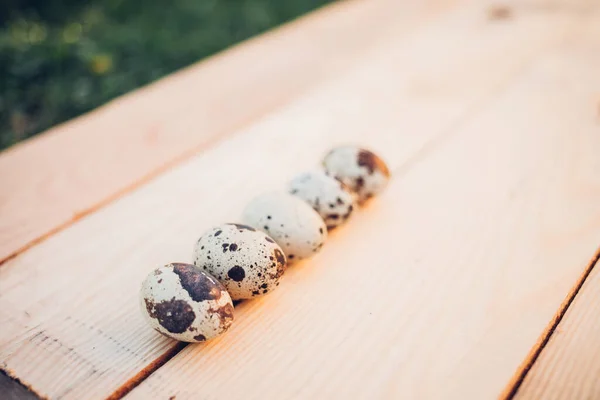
(361, 170)
(295, 226)
(246, 261)
(326, 195)
(184, 303)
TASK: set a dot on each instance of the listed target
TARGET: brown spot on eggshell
(225, 313)
(199, 286)
(268, 239)
(200, 338)
(360, 183)
(370, 161)
(236, 273)
(176, 316)
(280, 270)
(350, 208)
(279, 256)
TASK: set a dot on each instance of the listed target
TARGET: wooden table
(472, 277)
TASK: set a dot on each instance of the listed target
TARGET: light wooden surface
(569, 365)
(441, 288)
(51, 181)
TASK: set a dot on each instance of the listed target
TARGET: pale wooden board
(50, 181)
(569, 365)
(440, 288)
(68, 307)
(100, 261)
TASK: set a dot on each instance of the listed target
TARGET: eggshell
(184, 303)
(293, 224)
(326, 195)
(246, 261)
(361, 170)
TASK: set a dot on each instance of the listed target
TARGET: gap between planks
(494, 36)
(12, 388)
(182, 363)
(38, 208)
(397, 172)
(568, 368)
(513, 387)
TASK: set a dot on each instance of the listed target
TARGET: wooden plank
(568, 366)
(54, 179)
(439, 289)
(530, 375)
(68, 308)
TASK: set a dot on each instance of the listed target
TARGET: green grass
(59, 60)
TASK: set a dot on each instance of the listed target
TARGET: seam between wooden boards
(416, 158)
(515, 384)
(419, 156)
(311, 18)
(181, 158)
(319, 13)
(138, 378)
(425, 147)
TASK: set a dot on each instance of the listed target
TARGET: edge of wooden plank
(582, 263)
(313, 15)
(515, 383)
(134, 381)
(347, 11)
(140, 374)
(19, 389)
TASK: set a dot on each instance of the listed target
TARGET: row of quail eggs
(194, 302)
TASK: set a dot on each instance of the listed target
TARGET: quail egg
(246, 261)
(293, 224)
(326, 195)
(184, 303)
(361, 170)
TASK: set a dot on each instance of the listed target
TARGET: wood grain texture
(440, 288)
(568, 366)
(454, 239)
(55, 178)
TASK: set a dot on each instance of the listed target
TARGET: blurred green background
(61, 58)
